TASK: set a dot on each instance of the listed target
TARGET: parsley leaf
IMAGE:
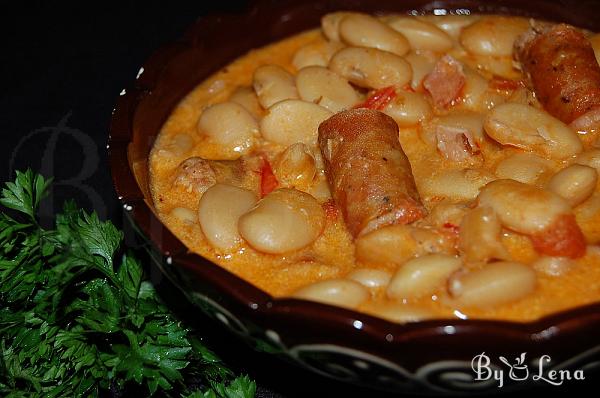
(25, 193)
(240, 387)
(78, 320)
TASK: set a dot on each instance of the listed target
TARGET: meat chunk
(455, 143)
(562, 69)
(445, 82)
(369, 174)
(196, 175)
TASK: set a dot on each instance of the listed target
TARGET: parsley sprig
(77, 321)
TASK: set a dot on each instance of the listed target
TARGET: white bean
(451, 24)
(330, 24)
(326, 88)
(553, 266)
(446, 212)
(219, 209)
(399, 312)
(590, 158)
(587, 216)
(422, 35)
(469, 121)
(230, 125)
(521, 207)
(295, 167)
(180, 144)
(499, 66)
(431, 240)
(574, 183)
(320, 189)
(476, 95)
(370, 67)
(309, 55)
(272, 84)
(586, 124)
(422, 276)
(370, 277)
(589, 210)
(394, 244)
(185, 215)
(532, 129)
(246, 97)
(495, 284)
(493, 36)
(339, 292)
(363, 30)
(479, 236)
(458, 184)
(474, 90)
(285, 220)
(421, 65)
(315, 54)
(291, 121)
(527, 168)
(408, 108)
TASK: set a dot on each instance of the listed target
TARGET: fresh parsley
(77, 321)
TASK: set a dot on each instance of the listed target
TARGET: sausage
(562, 69)
(369, 174)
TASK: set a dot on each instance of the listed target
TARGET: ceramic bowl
(426, 357)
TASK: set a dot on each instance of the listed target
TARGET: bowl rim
(256, 300)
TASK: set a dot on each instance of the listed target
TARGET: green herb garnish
(77, 321)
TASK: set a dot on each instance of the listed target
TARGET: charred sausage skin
(561, 67)
(369, 174)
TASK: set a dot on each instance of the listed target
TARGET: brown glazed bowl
(425, 357)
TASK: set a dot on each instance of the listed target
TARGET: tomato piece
(268, 181)
(379, 99)
(563, 238)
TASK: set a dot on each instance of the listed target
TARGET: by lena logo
(518, 370)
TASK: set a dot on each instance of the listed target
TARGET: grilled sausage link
(369, 174)
(562, 69)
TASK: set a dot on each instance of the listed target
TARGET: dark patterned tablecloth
(62, 70)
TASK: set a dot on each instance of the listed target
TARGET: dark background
(62, 68)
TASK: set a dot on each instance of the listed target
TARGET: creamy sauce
(332, 254)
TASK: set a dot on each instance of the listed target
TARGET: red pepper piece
(268, 181)
(379, 99)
